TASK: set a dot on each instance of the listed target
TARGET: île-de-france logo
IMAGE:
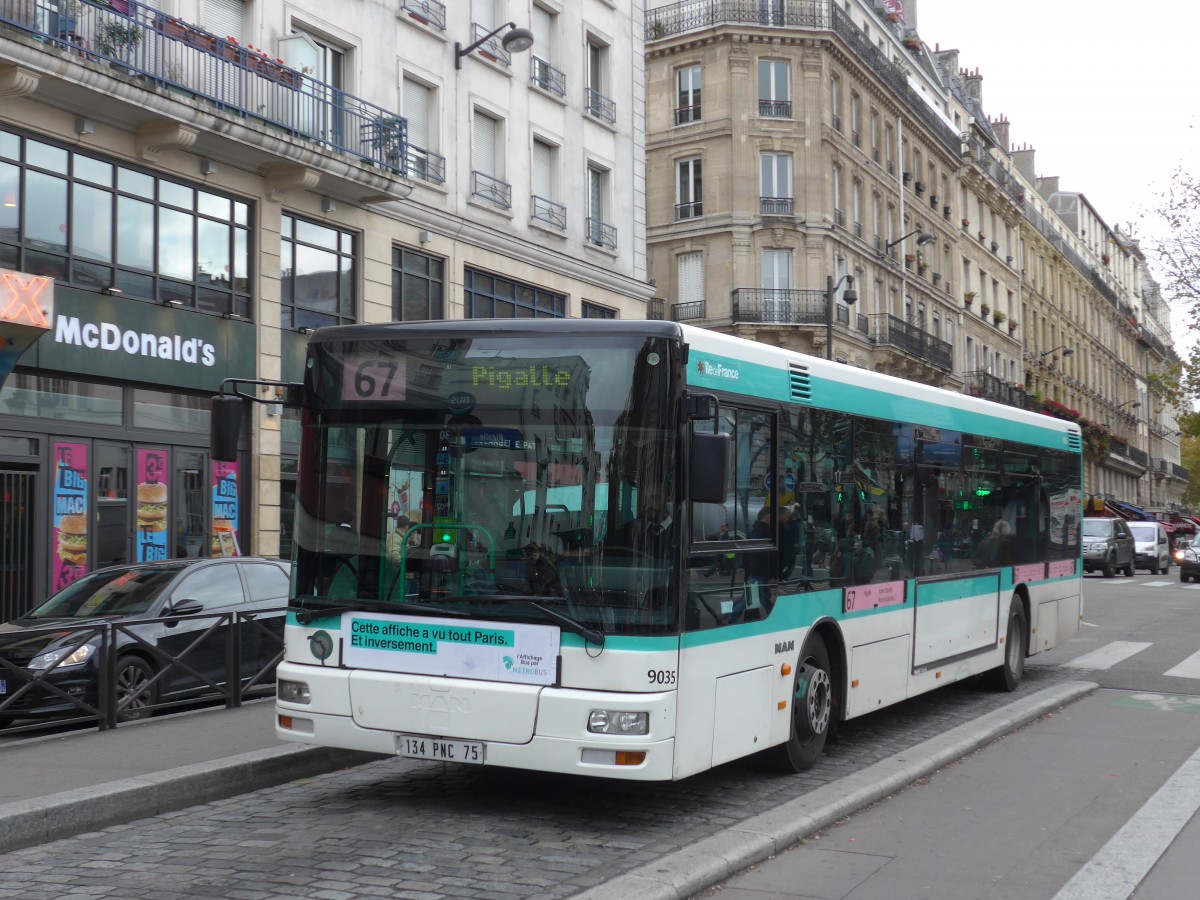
(508, 662)
(716, 370)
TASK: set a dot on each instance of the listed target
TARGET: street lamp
(849, 295)
(516, 41)
(1067, 351)
(1131, 403)
(925, 239)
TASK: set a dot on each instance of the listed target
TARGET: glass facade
(487, 296)
(319, 274)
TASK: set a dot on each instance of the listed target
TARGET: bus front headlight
(618, 721)
(293, 691)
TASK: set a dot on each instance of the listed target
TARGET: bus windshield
(491, 476)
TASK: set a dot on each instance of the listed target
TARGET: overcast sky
(1104, 91)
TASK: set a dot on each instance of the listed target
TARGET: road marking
(1161, 702)
(1191, 587)
(1155, 583)
(1107, 656)
(1115, 872)
(1189, 668)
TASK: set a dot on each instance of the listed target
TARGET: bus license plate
(443, 749)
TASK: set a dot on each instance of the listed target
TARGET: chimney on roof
(973, 82)
(948, 60)
(1023, 160)
(1000, 127)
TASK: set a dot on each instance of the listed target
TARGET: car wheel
(1129, 569)
(1110, 566)
(1184, 578)
(136, 697)
(1007, 676)
(812, 711)
(1153, 567)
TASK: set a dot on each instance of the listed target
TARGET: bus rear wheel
(812, 711)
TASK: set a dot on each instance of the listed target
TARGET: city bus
(641, 549)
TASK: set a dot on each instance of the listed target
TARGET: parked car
(173, 606)
(1152, 547)
(1108, 545)
(1189, 560)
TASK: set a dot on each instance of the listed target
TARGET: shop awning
(1129, 511)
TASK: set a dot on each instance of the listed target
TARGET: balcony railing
(491, 189)
(656, 308)
(600, 107)
(427, 12)
(820, 15)
(548, 78)
(601, 233)
(1180, 472)
(775, 206)
(777, 306)
(889, 330)
(686, 114)
(492, 48)
(173, 54)
(548, 211)
(775, 109)
(691, 311)
(426, 165)
(691, 210)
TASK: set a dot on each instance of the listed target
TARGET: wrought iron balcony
(554, 214)
(689, 210)
(775, 206)
(770, 306)
(601, 234)
(600, 107)
(889, 330)
(691, 311)
(818, 15)
(775, 109)
(492, 189)
(548, 78)
(172, 54)
(492, 48)
(427, 12)
(988, 386)
(686, 114)
(426, 165)
(656, 308)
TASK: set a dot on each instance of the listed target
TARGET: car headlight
(65, 657)
(293, 691)
(618, 721)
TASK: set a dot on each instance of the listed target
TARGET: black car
(153, 613)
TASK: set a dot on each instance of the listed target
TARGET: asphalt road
(401, 828)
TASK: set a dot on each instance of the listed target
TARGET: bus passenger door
(725, 682)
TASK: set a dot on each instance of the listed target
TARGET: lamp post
(1067, 351)
(850, 296)
(516, 41)
(925, 239)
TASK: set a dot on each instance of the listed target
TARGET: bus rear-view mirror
(709, 463)
(225, 426)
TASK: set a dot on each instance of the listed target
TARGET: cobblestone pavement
(422, 831)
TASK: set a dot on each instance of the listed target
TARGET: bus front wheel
(812, 711)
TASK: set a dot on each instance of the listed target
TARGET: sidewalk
(59, 785)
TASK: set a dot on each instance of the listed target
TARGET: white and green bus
(639, 549)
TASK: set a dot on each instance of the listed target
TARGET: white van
(1152, 547)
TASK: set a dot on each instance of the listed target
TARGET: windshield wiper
(564, 621)
(304, 616)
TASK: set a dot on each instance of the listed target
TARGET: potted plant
(966, 223)
(998, 317)
(116, 38)
(984, 310)
(982, 237)
(920, 187)
(385, 132)
(969, 298)
(995, 247)
(68, 16)
(1012, 325)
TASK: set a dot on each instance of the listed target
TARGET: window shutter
(483, 148)
(691, 277)
(416, 110)
(226, 18)
(543, 32)
(543, 161)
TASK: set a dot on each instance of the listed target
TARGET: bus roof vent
(1074, 442)
(801, 382)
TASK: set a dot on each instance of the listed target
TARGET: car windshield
(1143, 531)
(1097, 528)
(116, 592)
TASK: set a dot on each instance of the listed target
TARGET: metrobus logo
(717, 370)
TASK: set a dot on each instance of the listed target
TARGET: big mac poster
(225, 509)
(70, 551)
(152, 505)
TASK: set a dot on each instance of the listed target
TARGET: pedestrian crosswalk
(1113, 653)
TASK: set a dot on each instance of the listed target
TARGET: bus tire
(812, 711)
(1007, 676)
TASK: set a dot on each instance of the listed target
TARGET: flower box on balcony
(182, 31)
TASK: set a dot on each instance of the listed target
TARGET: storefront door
(114, 529)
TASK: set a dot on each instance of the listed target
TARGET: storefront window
(58, 215)
(61, 398)
(170, 412)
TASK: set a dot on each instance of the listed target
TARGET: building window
(544, 205)
(488, 296)
(835, 101)
(599, 231)
(855, 126)
(593, 311)
(420, 111)
(774, 89)
(689, 196)
(689, 279)
(597, 104)
(543, 73)
(487, 162)
(687, 98)
(59, 215)
(319, 274)
(418, 285)
(775, 184)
